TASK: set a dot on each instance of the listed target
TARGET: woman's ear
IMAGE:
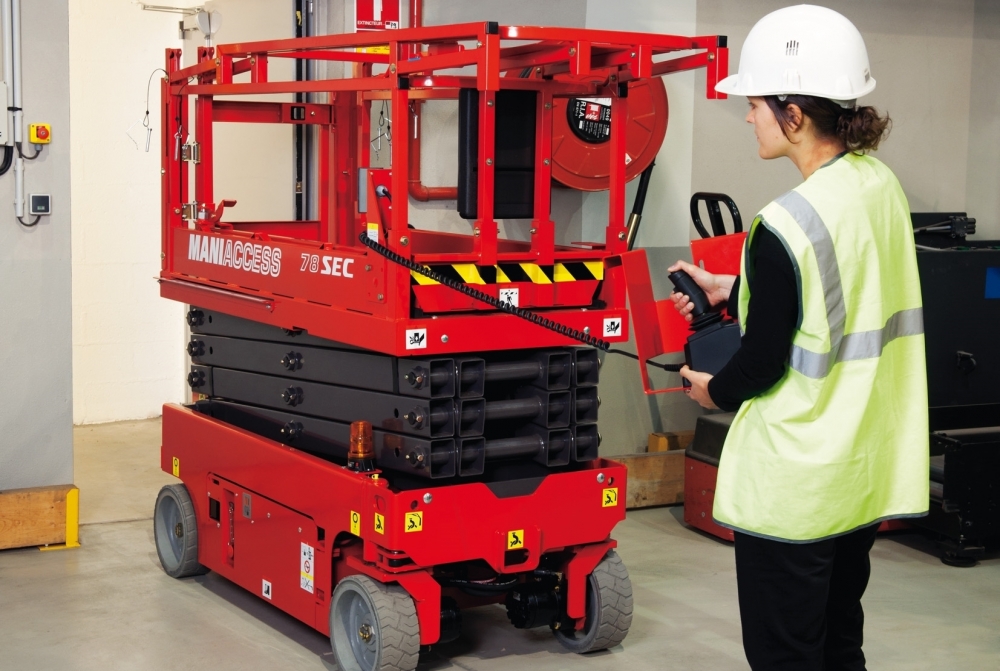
(795, 118)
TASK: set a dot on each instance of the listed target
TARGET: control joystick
(701, 314)
(714, 340)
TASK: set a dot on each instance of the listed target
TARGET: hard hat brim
(731, 86)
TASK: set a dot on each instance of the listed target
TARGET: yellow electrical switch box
(39, 133)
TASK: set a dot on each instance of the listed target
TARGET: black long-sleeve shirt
(772, 317)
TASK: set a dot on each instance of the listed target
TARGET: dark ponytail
(861, 129)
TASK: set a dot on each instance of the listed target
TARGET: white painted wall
(127, 358)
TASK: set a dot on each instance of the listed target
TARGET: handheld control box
(715, 340)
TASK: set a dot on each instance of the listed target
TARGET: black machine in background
(960, 281)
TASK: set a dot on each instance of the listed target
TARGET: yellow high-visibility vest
(841, 441)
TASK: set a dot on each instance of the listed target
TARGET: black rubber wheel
(373, 627)
(176, 532)
(958, 560)
(609, 609)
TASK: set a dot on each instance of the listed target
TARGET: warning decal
(515, 539)
(414, 522)
(355, 523)
(265, 590)
(590, 119)
(610, 497)
(376, 15)
(307, 568)
(612, 327)
(510, 297)
(379, 523)
(416, 338)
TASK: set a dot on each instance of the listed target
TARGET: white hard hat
(803, 50)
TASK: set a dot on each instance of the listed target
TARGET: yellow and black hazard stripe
(508, 273)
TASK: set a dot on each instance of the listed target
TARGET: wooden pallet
(47, 517)
(654, 479)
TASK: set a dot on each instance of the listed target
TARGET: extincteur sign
(376, 15)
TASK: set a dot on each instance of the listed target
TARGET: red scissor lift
(379, 561)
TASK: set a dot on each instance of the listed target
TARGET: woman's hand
(716, 287)
(699, 388)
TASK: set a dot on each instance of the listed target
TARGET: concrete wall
(627, 414)
(670, 183)
(921, 54)
(983, 168)
(36, 440)
(127, 359)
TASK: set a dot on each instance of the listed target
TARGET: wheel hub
(179, 530)
(366, 632)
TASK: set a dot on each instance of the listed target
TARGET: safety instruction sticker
(176, 467)
(379, 523)
(414, 522)
(509, 296)
(612, 327)
(515, 539)
(265, 590)
(416, 338)
(377, 49)
(307, 568)
(590, 119)
(610, 497)
(355, 523)
(372, 231)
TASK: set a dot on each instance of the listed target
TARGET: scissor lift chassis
(293, 498)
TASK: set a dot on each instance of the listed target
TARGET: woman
(831, 436)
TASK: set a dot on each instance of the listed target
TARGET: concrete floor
(107, 605)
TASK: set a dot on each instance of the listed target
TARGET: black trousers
(800, 604)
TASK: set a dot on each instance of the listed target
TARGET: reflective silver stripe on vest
(869, 344)
(853, 346)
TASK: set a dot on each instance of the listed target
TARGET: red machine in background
(484, 483)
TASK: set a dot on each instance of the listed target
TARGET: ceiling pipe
(416, 187)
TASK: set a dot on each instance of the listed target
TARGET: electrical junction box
(39, 133)
(39, 203)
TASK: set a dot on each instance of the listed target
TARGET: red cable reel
(581, 147)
